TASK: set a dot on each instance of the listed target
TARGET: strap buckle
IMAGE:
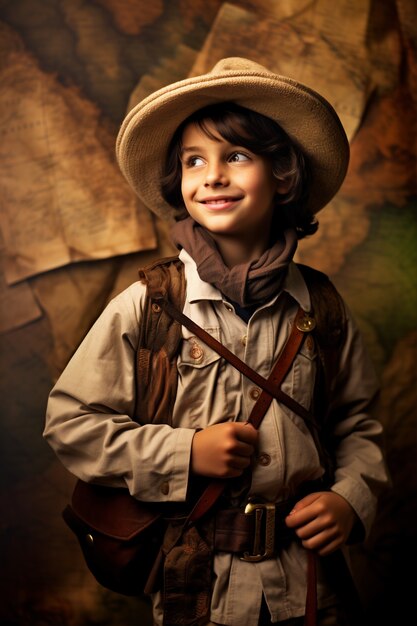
(264, 532)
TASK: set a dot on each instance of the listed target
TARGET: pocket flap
(111, 511)
(196, 353)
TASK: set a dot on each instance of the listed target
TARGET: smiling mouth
(220, 201)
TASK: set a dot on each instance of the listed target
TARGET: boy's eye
(194, 161)
(236, 157)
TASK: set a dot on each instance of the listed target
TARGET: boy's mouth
(220, 201)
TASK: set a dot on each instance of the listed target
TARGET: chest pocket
(202, 382)
(299, 384)
(196, 354)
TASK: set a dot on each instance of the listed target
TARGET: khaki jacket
(90, 428)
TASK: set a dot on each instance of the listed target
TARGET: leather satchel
(121, 538)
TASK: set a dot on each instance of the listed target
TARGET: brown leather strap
(281, 368)
(270, 385)
(278, 374)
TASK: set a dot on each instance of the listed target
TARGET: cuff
(363, 503)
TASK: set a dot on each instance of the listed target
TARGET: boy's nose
(215, 176)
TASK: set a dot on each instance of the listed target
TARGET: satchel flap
(111, 511)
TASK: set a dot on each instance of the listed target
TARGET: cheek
(260, 183)
(186, 186)
(188, 194)
(264, 190)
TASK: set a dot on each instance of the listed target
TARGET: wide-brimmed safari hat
(306, 116)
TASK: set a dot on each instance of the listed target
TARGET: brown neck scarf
(246, 284)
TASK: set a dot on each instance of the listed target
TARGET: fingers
(323, 521)
(239, 448)
(321, 539)
(323, 544)
(223, 450)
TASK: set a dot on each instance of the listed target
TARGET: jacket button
(90, 539)
(196, 352)
(254, 393)
(165, 488)
(155, 307)
(244, 340)
(264, 459)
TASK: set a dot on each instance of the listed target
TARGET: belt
(258, 530)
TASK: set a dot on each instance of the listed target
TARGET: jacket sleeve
(360, 471)
(89, 421)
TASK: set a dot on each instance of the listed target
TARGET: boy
(241, 160)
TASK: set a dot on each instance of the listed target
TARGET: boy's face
(227, 189)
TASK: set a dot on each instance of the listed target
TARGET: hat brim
(307, 118)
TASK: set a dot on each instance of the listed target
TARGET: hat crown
(238, 64)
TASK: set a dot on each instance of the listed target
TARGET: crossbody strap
(270, 385)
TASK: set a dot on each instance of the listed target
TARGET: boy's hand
(223, 450)
(323, 521)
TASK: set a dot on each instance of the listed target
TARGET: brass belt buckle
(264, 537)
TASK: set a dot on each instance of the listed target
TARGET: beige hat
(306, 117)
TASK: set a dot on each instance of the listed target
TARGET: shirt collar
(295, 286)
(198, 289)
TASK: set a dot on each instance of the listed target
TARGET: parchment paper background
(72, 235)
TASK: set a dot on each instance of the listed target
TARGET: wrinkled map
(73, 235)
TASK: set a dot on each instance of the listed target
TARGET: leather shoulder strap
(163, 279)
(159, 342)
(328, 308)
(330, 334)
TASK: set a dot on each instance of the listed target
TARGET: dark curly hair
(261, 135)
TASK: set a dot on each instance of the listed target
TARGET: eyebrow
(185, 149)
(190, 149)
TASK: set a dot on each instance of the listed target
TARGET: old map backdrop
(72, 236)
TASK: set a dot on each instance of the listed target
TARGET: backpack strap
(159, 342)
(329, 312)
(328, 308)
